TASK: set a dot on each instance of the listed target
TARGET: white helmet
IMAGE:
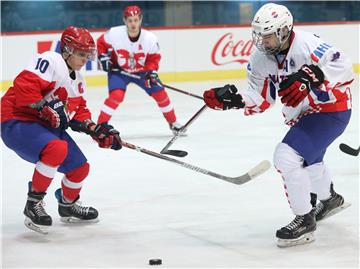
(272, 18)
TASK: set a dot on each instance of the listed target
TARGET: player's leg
(330, 201)
(304, 145)
(117, 84)
(332, 126)
(297, 188)
(75, 168)
(163, 101)
(39, 145)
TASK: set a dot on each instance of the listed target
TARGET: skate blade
(336, 210)
(73, 220)
(304, 239)
(42, 229)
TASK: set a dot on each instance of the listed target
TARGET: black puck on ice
(155, 262)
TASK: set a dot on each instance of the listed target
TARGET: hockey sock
(164, 103)
(320, 180)
(111, 104)
(72, 182)
(53, 154)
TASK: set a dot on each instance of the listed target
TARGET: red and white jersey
(265, 74)
(45, 78)
(138, 56)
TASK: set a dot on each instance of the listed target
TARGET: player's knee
(54, 153)
(79, 174)
(286, 159)
(117, 95)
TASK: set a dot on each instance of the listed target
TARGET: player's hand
(107, 136)
(54, 112)
(223, 98)
(152, 79)
(295, 87)
(105, 60)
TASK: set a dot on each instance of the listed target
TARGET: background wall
(57, 15)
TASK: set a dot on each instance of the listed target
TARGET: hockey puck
(155, 262)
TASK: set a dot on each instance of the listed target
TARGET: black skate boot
(332, 205)
(36, 217)
(176, 128)
(299, 231)
(74, 212)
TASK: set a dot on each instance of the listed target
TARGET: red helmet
(130, 11)
(74, 38)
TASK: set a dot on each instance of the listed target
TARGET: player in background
(312, 79)
(136, 51)
(45, 98)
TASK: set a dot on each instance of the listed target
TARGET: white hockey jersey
(264, 76)
(45, 78)
(132, 56)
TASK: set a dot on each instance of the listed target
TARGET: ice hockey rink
(151, 208)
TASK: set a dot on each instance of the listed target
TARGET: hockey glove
(107, 136)
(295, 87)
(54, 112)
(105, 60)
(152, 79)
(223, 98)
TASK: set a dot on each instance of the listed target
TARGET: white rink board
(184, 50)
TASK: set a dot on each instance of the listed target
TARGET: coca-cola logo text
(227, 50)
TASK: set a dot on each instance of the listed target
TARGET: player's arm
(255, 99)
(104, 134)
(106, 53)
(330, 69)
(31, 88)
(152, 64)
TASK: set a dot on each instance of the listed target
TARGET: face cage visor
(90, 54)
(282, 35)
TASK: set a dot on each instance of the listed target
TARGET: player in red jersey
(133, 50)
(45, 98)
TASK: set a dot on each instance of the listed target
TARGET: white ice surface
(150, 208)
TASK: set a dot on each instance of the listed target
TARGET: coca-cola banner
(184, 51)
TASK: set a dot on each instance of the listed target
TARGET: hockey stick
(252, 173)
(349, 150)
(166, 86)
(181, 153)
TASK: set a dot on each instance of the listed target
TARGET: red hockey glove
(152, 79)
(295, 87)
(223, 98)
(54, 112)
(107, 136)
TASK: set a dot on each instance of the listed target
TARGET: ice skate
(299, 231)
(36, 217)
(176, 128)
(74, 212)
(334, 204)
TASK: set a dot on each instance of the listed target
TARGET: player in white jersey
(131, 54)
(312, 79)
(46, 97)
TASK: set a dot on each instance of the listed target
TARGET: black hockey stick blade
(349, 150)
(175, 152)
